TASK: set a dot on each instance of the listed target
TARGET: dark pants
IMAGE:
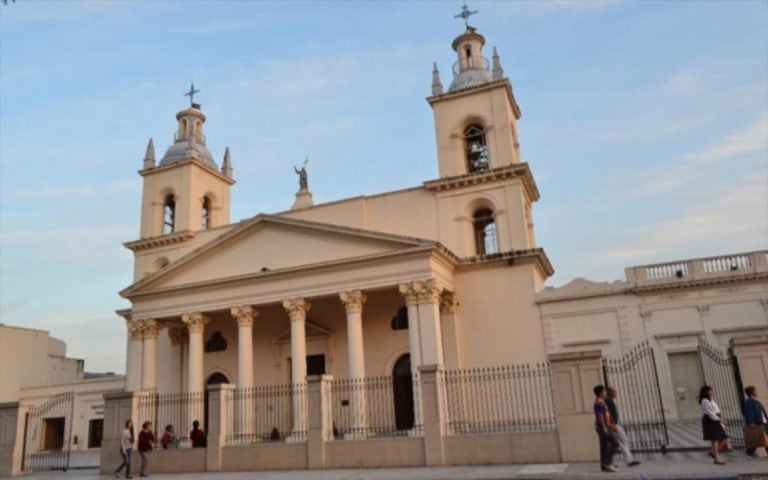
(126, 462)
(608, 447)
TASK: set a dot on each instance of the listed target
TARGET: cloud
(752, 138)
(735, 215)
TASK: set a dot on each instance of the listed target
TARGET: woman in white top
(712, 424)
(126, 448)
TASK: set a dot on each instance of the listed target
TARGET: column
(133, 370)
(449, 307)
(195, 323)
(297, 309)
(353, 304)
(244, 316)
(179, 337)
(150, 331)
(424, 332)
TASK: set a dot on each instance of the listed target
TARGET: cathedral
(443, 273)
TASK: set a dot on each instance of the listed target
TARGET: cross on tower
(465, 14)
(191, 94)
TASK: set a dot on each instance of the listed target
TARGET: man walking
(756, 433)
(605, 430)
(621, 435)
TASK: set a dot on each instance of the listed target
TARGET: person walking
(126, 448)
(146, 443)
(756, 431)
(197, 435)
(712, 425)
(605, 430)
(621, 435)
(168, 440)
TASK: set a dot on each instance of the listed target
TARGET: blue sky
(645, 125)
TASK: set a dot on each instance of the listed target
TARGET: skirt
(712, 430)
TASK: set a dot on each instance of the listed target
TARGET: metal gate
(721, 372)
(640, 408)
(48, 434)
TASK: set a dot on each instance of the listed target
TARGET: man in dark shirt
(621, 436)
(197, 435)
(605, 430)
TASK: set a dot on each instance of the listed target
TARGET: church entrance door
(402, 387)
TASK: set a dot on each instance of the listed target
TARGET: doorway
(54, 433)
(95, 432)
(402, 389)
(687, 379)
(215, 379)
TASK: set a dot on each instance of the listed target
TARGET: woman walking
(146, 443)
(712, 424)
(126, 447)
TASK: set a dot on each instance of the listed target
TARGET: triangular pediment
(269, 243)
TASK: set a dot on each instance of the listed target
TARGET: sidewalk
(695, 465)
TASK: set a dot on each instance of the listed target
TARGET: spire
(226, 165)
(149, 157)
(497, 73)
(437, 86)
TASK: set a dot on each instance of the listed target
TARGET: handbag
(755, 436)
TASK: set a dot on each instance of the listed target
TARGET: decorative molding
(704, 282)
(297, 308)
(419, 292)
(758, 329)
(244, 315)
(178, 335)
(150, 329)
(535, 255)
(593, 341)
(688, 333)
(703, 309)
(353, 300)
(646, 314)
(161, 241)
(134, 328)
(520, 171)
(195, 322)
(449, 304)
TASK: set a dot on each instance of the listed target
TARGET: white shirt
(125, 440)
(710, 409)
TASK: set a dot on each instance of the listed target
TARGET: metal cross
(191, 94)
(465, 14)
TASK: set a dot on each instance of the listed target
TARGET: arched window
(476, 148)
(484, 226)
(206, 213)
(169, 214)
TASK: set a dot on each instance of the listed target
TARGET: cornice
(535, 255)
(517, 170)
(702, 282)
(188, 161)
(503, 82)
(161, 241)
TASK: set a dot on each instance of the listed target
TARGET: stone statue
(302, 173)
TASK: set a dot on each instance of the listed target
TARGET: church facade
(357, 287)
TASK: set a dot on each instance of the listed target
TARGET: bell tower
(186, 191)
(475, 120)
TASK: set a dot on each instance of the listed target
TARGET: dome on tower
(189, 141)
(472, 69)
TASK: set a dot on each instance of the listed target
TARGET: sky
(645, 124)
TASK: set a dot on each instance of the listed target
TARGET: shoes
(633, 463)
(719, 463)
(609, 468)
(117, 475)
(710, 454)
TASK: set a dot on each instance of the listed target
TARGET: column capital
(134, 328)
(297, 308)
(449, 305)
(353, 300)
(177, 335)
(195, 322)
(150, 329)
(244, 315)
(423, 291)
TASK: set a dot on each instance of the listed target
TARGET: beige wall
(31, 357)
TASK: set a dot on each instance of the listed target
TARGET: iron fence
(513, 398)
(721, 372)
(384, 406)
(176, 409)
(48, 434)
(641, 412)
(271, 413)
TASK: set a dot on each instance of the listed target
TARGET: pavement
(678, 465)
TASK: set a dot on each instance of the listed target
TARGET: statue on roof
(302, 173)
